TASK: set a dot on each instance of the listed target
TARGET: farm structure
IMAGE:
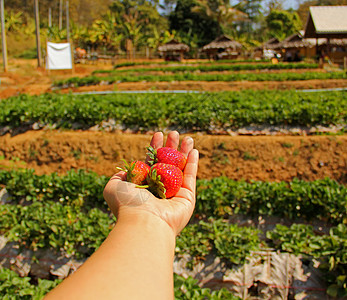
(329, 23)
(173, 50)
(223, 47)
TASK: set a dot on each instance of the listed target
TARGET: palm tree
(220, 11)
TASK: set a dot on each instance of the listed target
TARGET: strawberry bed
(67, 215)
(187, 112)
(289, 76)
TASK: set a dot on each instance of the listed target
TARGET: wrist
(149, 224)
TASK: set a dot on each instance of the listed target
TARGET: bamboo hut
(173, 50)
(222, 48)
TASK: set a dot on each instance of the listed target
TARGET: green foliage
(188, 23)
(38, 217)
(188, 289)
(226, 110)
(53, 225)
(283, 23)
(324, 199)
(213, 68)
(329, 249)
(321, 199)
(93, 80)
(12, 286)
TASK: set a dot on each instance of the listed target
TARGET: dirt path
(258, 158)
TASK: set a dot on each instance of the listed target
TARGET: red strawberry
(136, 172)
(164, 180)
(166, 155)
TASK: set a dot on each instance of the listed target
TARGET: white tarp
(58, 56)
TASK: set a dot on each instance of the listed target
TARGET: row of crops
(187, 76)
(212, 68)
(188, 112)
(67, 214)
(12, 286)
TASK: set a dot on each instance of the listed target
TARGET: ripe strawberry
(137, 172)
(164, 180)
(166, 155)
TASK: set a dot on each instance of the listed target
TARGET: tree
(189, 24)
(283, 23)
(140, 20)
(221, 12)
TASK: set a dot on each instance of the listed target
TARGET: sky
(290, 4)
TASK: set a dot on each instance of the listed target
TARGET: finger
(190, 171)
(187, 145)
(122, 175)
(173, 140)
(157, 141)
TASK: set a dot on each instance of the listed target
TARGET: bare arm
(136, 259)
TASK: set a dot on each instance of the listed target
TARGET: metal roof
(326, 20)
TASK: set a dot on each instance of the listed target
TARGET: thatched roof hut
(222, 46)
(173, 50)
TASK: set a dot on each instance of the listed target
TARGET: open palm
(125, 198)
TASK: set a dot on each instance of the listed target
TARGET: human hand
(125, 198)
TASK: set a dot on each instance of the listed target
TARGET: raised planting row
(188, 112)
(65, 229)
(214, 67)
(14, 287)
(223, 61)
(324, 200)
(289, 76)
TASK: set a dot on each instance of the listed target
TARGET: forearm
(134, 262)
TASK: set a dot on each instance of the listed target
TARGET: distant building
(328, 23)
(222, 48)
(173, 50)
(267, 50)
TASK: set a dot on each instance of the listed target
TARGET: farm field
(270, 220)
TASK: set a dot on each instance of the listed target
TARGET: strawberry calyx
(155, 185)
(152, 155)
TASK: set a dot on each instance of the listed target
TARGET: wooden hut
(222, 48)
(329, 23)
(296, 47)
(270, 45)
(173, 50)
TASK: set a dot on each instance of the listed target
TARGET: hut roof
(270, 44)
(327, 22)
(297, 40)
(222, 42)
(173, 45)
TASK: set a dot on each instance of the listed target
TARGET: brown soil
(240, 157)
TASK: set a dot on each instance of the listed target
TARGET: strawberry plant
(198, 112)
(212, 68)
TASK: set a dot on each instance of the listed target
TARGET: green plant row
(94, 80)
(144, 63)
(204, 111)
(14, 287)
(324, 199)
(214, 67)
(66, 229)
(56, 226)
